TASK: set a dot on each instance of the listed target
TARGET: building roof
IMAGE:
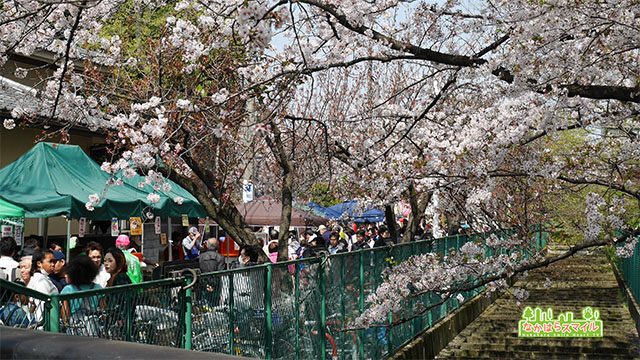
(16, 95)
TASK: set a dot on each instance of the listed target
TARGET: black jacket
(211, 260)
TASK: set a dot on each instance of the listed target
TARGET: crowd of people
(47, 270)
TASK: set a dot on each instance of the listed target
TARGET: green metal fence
(288, 310)
(631, 271)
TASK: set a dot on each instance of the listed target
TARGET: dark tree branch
(65, 64)
(418, 52)
(598, 92)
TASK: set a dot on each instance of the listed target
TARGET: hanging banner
(82, 226)
(158, 225)
(206, 225)
(135, 226)
(115, 227)
(18, 234)
(247, 192)
(163, 239)
(185, 220)
(7, 230)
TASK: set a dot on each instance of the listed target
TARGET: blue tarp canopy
(323, 211)
(349, 210)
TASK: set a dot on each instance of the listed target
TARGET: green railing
(288, 310)
(630, 268)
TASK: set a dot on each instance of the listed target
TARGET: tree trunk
(390, 219)
(285, 218)
(226, 215)
(418, 206)
(279, 153)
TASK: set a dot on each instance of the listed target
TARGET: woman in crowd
(77, 313)
(116, 264)
(43, 264)
(80, 274)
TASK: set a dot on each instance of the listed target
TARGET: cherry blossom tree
(383, 100)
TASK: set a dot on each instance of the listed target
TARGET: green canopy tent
(11, 215)
(55, 179)
(167, 207)
(10, 211)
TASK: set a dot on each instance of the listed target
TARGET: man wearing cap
(133, 264)
(192, 244)
(57, 276)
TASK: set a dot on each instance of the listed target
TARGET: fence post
(187, 319)
(323, 309)
(388, 333)
(343, 295)
(361, 301)
(539, 228)
(232, 315)
(297, 309)
(54, 314)
(268, 324)
(129, 311)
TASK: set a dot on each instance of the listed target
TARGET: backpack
(85, 321)
(14, 315)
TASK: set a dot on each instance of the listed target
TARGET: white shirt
(102, 277)
(8, 265)
(186, 245)
(41, 282)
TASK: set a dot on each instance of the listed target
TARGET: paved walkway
(583, 280)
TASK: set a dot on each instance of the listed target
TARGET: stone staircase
(585, 279)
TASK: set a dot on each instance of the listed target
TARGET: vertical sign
(115, 228)
(7, 230)
(163, 239)
(185, 220)
(158, 225)
(247, 191)
(18, 234)
(82, 226)
(135, 226)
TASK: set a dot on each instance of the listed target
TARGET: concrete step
(583, 280)
(578, 347)
(512, 339)
(531, 355)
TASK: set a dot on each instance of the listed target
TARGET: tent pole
(41, 228)
(68, 238)
(142, 240)
(45, 233)
(170, 244)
